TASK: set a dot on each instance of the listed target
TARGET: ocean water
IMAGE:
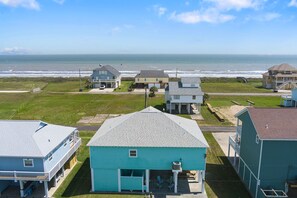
(129, 65)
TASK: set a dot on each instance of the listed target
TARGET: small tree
(152, 91)
(205, 98)
(88, 84)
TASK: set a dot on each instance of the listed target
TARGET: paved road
(246, 94)
(215, 129)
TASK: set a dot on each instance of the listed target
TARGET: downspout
(259, 168)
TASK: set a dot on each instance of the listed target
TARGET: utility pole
(145, 98)
(80, 89)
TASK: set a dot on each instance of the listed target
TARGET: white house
(183, 95)
(290, 100)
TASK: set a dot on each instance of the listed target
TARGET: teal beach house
(34, 154)
(140, 151)
(264, 145)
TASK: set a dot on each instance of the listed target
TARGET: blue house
(34, 152)
(128, 150)
(106, 76)
(264, 145)
(290, 100)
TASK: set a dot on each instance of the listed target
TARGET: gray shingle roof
(175, 88)
(274, 123)
(21, 138)
(110, 69)
(282, 67)
(190, 80)
(149, 128)
(152, 74)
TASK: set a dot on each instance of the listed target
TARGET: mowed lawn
(67, 109)
(260, 101)
(221, 178)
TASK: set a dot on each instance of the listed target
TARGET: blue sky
(148, 26)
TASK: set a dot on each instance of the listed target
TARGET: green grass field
(210, 119)
(124, 86)
(221, 178)
(260, 101)
(21, 84)
(67, 109)
(223, 85)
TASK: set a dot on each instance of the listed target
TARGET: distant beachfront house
(106, 76)
(129, 152)
(290, 100)
(152, 78)
(264, 146)
(184, 95)
(282, 76)
(34, 152)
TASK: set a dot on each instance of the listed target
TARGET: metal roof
(149, 128)
(274, 123)
(152, 74)
(110, 69)
(175, 88)
(24, 138)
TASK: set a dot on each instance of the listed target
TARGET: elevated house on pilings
(34, 154)
(142, 150)
(264, 146)
(279, 77)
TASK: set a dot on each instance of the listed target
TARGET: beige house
(282, 76)
(151, 78)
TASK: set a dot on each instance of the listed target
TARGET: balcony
(238, 130)
(234, 141)
(40, 176)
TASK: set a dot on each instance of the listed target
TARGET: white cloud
(15, 50)
(30, 4)
(264, 17)
(193, 17)
(160, 10)
(187, 3)
(61, 2)
(235, 4)
(121, 28)
(293, 3)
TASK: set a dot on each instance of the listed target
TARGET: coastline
(171, 73)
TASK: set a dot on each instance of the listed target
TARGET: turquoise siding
(106, 161)
(148, 158)
(249, 149)
(17, 164)
(105, 179)
(131, 183)
(57, 155)
(278, 164)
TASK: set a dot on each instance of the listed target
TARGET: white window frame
(32, 160)
(176, 97)
(135, 153)
(50, 157)
(257, 139)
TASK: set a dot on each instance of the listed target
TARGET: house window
(194, 97)
(132, 153)
(257, 139)
(156, 79)
(28, 162)
(50, 157)
(176, 97)
(192, 85)
(145, 79)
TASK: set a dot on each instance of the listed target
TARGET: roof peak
(150, 109)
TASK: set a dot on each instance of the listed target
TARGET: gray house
(34, 154)
(184, 95)
(106, 76)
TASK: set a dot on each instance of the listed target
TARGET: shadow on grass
(224, 181)
(160, 107)
(81, 183)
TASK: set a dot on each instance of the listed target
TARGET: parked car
(102, 87)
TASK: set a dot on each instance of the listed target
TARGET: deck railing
(40, 176)
(234, 143)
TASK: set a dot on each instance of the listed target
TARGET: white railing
(239, 129)
(40, 176)
(61, 163)
(234, 143)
